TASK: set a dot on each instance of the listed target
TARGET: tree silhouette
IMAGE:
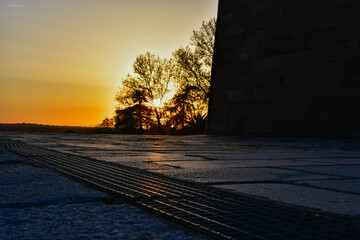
(193, 68)
(134, 118)
(188, 73)
(132, 114)
(125, 121)
(106, 126)
(195, 63)
(203, 40)
(139, 97)
(137, 94)
(181, 108)
(153, 74)
(106, 123)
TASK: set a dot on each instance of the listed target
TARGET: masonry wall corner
(288, 67)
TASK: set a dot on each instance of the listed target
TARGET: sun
(156, 102)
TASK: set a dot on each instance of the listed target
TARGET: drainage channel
(212, 212)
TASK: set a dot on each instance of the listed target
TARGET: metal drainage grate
(214, 213)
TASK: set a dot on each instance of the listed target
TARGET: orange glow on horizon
(61, 61)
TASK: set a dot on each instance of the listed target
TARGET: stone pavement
(322, 174)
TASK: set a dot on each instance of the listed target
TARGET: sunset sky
(61, 61)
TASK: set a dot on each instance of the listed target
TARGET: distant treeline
(29, 127)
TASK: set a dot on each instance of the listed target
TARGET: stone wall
(286, 67)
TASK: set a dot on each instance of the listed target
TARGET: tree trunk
(140, 119)
(158, 121)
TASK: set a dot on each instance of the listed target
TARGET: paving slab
(196, 164)
(317, 173)
(230, 174)
(20, 184)
(343, 171)
(325, 200)
(349, 186)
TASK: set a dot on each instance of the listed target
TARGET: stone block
(349, 13)
(259, 36)
(277, 16)
(282, 61)
(355, 32)
(227, 110)
(257, 109)
(236, 125)
(316, 72)
(219, 98)
(237, 95)
(313, 8)
(241, 109)
(217, 125)
(229, 31)
(260, 64)
(244, 39)
(258, 124)
(323, 89)
(299, 91)
(297, 108)
(304, 26)
(318, 55)
(251, 52)
(296, 75)
(319, 38)
(249, 11)
(231, 56)
(327, 18)
(350, 86)
(241, 26)
(265, 7)
(226, 83)
(325, 106)
(240, 68)
(222, 70)
(322, 71)
(273, 78)
(276, 108)
(296, 43)
(254, 23)
(225, 7)
(227, 44)
(266, 93)
(298, 58)
(349, 105)
(278, 31)
(343, 68)
(242, 81)
(227, 18)
(340, 33)
(272, 48)
(345, 50)
(252, 94)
